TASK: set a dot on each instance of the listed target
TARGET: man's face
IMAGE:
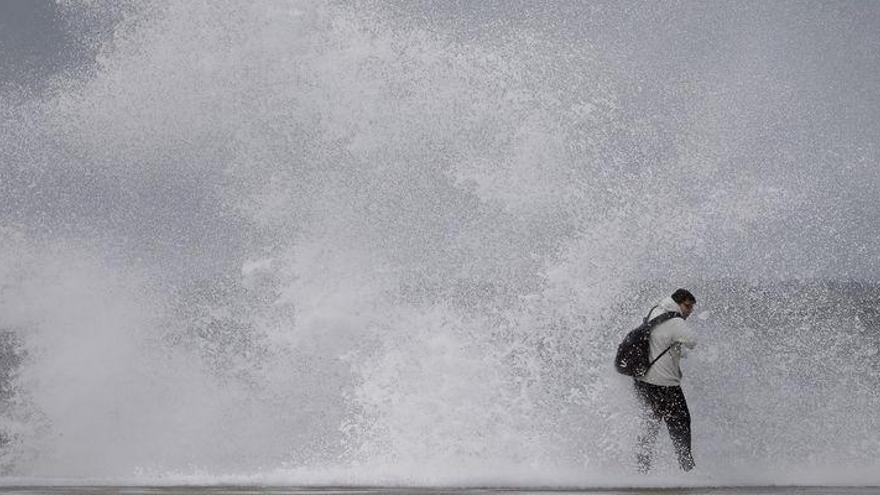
(687, 307)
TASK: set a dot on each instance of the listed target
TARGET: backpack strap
(664, 317)
(656, 321)
(645, 320)
(656, 358)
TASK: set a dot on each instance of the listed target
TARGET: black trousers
(663, 404)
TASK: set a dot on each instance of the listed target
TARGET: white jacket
(675, 332)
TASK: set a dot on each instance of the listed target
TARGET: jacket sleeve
(684, 335)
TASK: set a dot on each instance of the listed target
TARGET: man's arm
(683, 334)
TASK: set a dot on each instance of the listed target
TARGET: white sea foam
(421, 253)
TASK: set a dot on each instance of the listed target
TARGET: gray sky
(784, 92)
(38, 42)
(35, 43)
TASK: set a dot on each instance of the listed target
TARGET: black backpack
(634, 353)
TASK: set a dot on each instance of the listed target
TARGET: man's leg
(678, 420)
(649, 424)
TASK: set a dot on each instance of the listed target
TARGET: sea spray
(306, 242)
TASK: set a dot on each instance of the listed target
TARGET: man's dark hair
(682, 295)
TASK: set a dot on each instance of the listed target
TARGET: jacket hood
(667, 304)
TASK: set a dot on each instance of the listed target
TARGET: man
(659, 389)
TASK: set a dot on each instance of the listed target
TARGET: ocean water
(384, 244)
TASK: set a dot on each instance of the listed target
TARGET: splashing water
(306, 242)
